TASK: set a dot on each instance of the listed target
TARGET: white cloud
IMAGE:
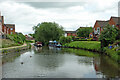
(72, 17)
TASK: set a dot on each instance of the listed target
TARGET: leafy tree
(64, 39)
(47, 31)
(84, 32)
(108, 35)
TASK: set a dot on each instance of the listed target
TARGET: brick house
(28, 37)
(115, 21)
(70, 33)
(9, 28)
(6, 28)
(98, 27)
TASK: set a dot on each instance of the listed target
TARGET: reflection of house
(70, 33)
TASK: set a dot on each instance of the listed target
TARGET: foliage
(108, 35)
(80, 52)
(64, 39)
(33, 35)
(112, 53)
(16, 38)
(91, 45)
(47, 31)
(8, 43)
(84, 32)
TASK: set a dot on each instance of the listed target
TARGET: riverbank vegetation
(17, 39)
(64, 39)
(81, 52)
(89, 45)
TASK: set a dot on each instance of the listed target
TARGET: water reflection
(107, 67)
(49, 62)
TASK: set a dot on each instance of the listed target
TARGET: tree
(64, 39)
(47, 31)
(84, 32)
(108, 35)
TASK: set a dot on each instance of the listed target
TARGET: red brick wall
(71, 34)
(111, 22)
(9, 30)
(2, 23)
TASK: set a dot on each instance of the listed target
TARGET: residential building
(70, 33)
(28, 37)
(9, 28)
(99, 25)
(6, 28)
(115, 21)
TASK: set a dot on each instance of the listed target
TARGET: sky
(70, 14)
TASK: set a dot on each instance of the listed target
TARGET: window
(11, 28)
(113, 26)
(98, 30)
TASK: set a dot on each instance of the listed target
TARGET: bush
(18, 38)
(108, 35)
(64, 39)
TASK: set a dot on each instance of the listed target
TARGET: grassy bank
(94, 46)
(80, 52)
(115, 55)
(89, 45)
(8, 43)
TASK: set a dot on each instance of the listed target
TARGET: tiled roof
(9, 25)
(70, 31)
(116, 19)
(102, 23)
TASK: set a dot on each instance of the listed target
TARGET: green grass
(80, 52)
(90, 45)
(113, 54)
(8, 43)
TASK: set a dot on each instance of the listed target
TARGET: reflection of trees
(49, 59)
(85, 60)
(106, 66)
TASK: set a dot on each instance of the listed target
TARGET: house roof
(116, 19)
(102, 23)
(70, 31)
(79, 28)
(9, 25)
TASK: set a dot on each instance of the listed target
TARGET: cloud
(70, 15)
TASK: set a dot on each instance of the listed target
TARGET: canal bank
(14, 49)
(94, 46)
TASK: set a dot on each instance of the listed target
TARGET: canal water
(49, 62)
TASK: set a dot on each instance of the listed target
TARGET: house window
(98, 30)
(113, 26)
(11, 28)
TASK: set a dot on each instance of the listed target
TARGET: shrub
(64, 39)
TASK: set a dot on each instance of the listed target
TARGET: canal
(49, 62)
